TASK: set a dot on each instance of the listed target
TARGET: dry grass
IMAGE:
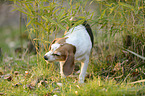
(116, 66)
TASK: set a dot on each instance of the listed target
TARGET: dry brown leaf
(8, 77)
(48, 94)
(33, 83)
(16, 73)
(3, 94)
(42, 82)
(29, 86)
(117, 67)
(1, 73)
(17, 84)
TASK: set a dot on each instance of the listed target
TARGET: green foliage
(47, 18)
(118, 53)
(52, 15)
(122, 28)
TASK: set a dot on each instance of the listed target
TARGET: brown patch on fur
(58, 40)
(61, 40)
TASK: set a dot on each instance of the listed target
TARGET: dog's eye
(56, 54)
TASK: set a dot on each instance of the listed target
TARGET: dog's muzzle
(45, 57)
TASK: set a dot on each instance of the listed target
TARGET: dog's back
(80, 37)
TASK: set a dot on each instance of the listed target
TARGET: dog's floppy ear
(69, 63)
(52, 43)
(67, 52)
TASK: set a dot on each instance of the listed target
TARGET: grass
(42, 79)
(112, 70)
(97, 86)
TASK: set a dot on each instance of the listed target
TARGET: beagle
(75, 46)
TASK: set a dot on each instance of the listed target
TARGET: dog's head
(61, 51)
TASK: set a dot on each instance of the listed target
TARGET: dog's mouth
(49, 61)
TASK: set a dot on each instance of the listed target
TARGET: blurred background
(9, 27)
(118, 27)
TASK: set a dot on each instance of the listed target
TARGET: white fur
(78, 37)
(53, 48)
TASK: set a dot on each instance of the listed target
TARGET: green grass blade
(127, 5)
(54, 22)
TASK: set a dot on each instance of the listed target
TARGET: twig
(139, 81)
(24, 53)
(119, 76)
(126, 77)
(136, 54)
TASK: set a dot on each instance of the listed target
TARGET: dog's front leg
(61, 69)
(84, 66)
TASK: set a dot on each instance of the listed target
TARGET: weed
(117, 63)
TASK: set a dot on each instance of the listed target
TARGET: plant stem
(20, 27)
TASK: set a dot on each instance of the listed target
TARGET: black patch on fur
(89, 30)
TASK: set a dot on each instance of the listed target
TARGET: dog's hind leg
(84, 66)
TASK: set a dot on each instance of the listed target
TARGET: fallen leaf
(78, 86)
(56, 90)
(1, 73)
(8, 77)
(59, 84)
(42, 82)
(3, 94)
(90, 76)
(76, 92)
(109, 59)
(48, 94)
(17, 84)
(117, 67)
(18, 50)
(26, 72)
(39, 84)
(16, 73)
(28, 86)
(104, 89)
(135, 73)
(33, 94)
(33, 83)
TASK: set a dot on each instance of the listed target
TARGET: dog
(76, 45)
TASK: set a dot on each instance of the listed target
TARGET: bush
(117, 26)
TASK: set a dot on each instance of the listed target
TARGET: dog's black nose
(45, 57)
